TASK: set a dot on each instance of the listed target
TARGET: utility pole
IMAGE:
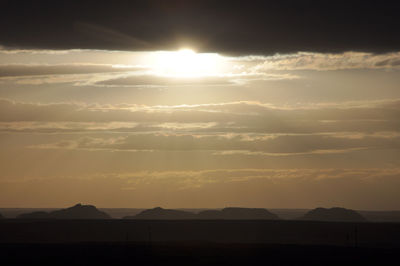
(149, 234)
(150, 244)
(355, 236)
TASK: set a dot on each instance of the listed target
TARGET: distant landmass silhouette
(159, 213)
(78, 211)
(1, 216)
(238, 214)
(333, 215)
(35, 215)
(226, 214)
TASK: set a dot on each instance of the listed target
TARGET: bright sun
(187, 63)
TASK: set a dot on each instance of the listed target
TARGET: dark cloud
(282, 145)
(227, 26)
(151, 80)
(18, 70)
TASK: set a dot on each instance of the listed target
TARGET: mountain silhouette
(35, 215)
(1, 216)
(238, 214)
(333, 215)
(162, 214)
(78, 211)
(226, 214)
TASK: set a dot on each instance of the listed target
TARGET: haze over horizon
(210, 104)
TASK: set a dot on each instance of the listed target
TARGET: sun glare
(187, 63)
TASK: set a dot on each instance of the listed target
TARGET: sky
(200, 104)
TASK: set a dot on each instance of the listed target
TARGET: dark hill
(162, 214)
(333, 215)
(1, 216)
(76, 212)
(238, 214)
(226, 214)
(35, 215)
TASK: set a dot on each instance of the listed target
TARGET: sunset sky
(185, 104)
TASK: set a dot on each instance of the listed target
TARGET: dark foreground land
(196, 242)
(188, 253)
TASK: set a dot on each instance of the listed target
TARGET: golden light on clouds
(189, 127)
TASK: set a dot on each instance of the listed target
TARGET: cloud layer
(236, 128)
(328, 61)
(266, 188)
